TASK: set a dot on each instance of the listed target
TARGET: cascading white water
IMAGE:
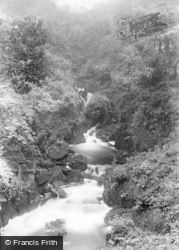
(82, 212)
(89, 96)
(94, 148)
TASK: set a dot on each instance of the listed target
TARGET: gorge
(89, 132)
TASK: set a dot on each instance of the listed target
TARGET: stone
(56, 228)
(78, 162)
(42, 177)
(61, 193)
(73, 176)
(99, 110)
(7, 212)
(56, 172)
(45, 163)
(57, 152)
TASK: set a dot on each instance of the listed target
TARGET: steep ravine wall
(143, 196)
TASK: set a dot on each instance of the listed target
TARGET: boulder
(73, 176)
(55, 189)
(57, 185)
(44, 163)
(57, 151)
(78, 162)
(76, 131)
(7, 212)
(99, 110)
(42, 177)
(55, 228)
(56, 173)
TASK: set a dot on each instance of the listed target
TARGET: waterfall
(89, 96)
(85, 99)
(94, 148)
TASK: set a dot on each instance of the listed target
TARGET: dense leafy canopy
(22, 48)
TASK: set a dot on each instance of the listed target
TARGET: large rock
(57, 151)
(99, 110)
(56, 190)
(7, 212)
(44, 163)
(42, 177)
(78, 162)
(56, 173)
(76, 131)
(56, 228)
(73, 176)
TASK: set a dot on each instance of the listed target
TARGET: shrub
(22, 47)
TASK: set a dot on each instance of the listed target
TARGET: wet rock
(7, 212)
(78, 162)
(76, 131)
(56, 173)
(42, 177)
(44, 163)
(58, 184)
(59, 192)
(57, 151)
(45, 197)
(56, 228)
(73, 176)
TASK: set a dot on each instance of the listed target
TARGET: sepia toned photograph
(89, 124)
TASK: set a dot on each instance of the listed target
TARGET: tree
(22, 46)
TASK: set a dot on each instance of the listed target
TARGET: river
(82, 212)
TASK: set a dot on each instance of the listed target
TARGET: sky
(79, 4)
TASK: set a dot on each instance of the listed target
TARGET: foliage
(10, 185)
(22, 47)
(15, 115)
(130, 78)
(99, 110)
(12, 190)
(146, 187)
(147, 115)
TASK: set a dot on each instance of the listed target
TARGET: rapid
(82, 211)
